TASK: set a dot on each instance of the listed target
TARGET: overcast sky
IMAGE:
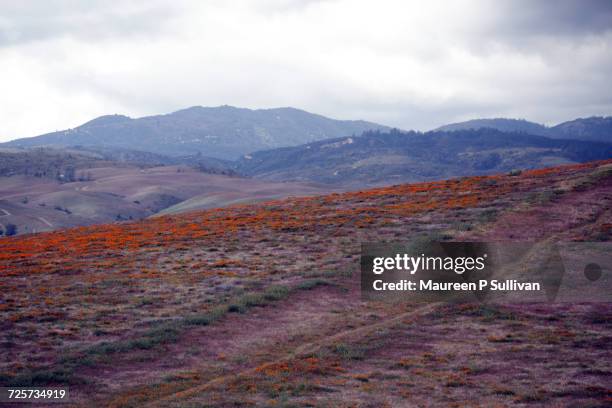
(413, 65)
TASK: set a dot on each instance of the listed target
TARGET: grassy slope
(259, 304)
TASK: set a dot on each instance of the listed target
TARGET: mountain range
(223, 132)
(377, 158)
(227, 132)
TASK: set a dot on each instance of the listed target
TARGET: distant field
(118, 193)
(259, 304)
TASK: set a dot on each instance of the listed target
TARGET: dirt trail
(259, 334)
(303, 350)
(45, 221)
(241, 343)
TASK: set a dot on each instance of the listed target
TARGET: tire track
(301, 351)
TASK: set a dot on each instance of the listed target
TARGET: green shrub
(311, 284)
(348, 352)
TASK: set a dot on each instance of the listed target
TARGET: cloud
(406, 64)
(554, 18)
(30, 20)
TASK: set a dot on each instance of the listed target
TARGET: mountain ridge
(596, 128)
(224, 132)
(592, 128)
(377, 158)
(228, 132)
(502, 124)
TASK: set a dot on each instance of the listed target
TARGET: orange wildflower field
(259, 305)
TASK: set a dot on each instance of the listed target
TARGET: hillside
(377, 158)
(260, 304)
(593, 128)
(51, 164)
(107, 192)
(223, 132)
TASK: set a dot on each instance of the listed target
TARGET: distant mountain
(593, 128)
(596, 128)
(222, 132)
(396, 157)
(502, 124)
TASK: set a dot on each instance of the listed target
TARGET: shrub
(488, 215)
(10, 229)
(462, 226)
(207, 318)
(311, 284)
(348, 352)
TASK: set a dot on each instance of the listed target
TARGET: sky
(408, 64)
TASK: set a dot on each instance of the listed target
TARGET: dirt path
(303, 350)
(45, 221)
(235, 343)
(573, 214)
(238, 344)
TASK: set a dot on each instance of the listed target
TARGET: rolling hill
(47, 189)
(259, 305)
(377, 158)
(223, 132)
